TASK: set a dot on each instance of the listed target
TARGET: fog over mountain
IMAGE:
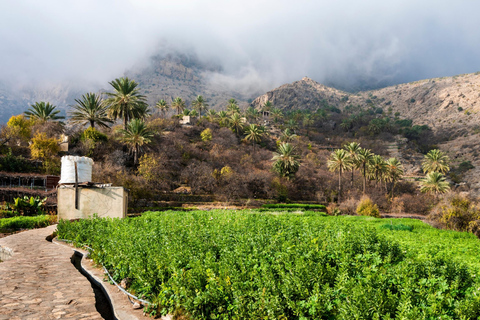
(254, 45)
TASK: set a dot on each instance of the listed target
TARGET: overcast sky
(267, 42)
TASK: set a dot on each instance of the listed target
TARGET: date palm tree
(163, 106)
(43, 111)
(286, 162)
(235, 123)
(277, 115)
(212, 114)
(353, 148)
(339, 161)
(200, 104)
(254, 133)
(434, 183)
(394, 172)
(126, 102)
(91, 109)
(135, 136)
(178, 104)
(232, 106)
(223, 118)
(435, 161)
(287, 135)
(377, 168)
(365, 157)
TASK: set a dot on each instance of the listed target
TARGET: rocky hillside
(449, 105)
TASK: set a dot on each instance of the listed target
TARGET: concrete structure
(109, 202)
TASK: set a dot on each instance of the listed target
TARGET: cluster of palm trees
(435, 164)
(372, 167)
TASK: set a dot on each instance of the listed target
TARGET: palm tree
(43, 111)
(339, 161)
(212, 114)
(288, 135)
(394, 172)
(232, 106)
(163, 106)
(308, 121)
(235, 123)
(223, 118)
(365, 157)
(252, 114)
(267, 106)
(199, 104)
(377, 168)
(135, 136)
(353, 148)
(126, 102)
(292, 125)
(435, 161)
(178, 104)
(286, 161)
(277, 115)
(434, 183)
(254, 134)
(90, 109)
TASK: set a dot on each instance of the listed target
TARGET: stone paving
(40, 282)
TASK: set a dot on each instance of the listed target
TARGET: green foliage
(434, 183)
(456, 212)
(231, 265)
(206, 135)
(367, 208)
(18, 223)
(29, 206)
(404, 123)
(12, 163)
(43, 112)
(94, 135)
(286, 162)
(465, 166)
(397, 227)
(90, 109)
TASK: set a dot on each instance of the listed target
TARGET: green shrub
(18, 223)
(455, 212)
(397, 227)
(94, 135)
(294, 206)
(367, 208)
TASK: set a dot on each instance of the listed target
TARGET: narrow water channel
(102, 303)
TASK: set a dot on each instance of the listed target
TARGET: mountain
(450, 106)
(162, 77)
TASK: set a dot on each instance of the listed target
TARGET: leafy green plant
(29, 206)
(18, 223)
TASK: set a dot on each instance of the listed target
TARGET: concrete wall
(109, 202)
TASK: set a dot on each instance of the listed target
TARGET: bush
(417, 203)
(455, 212)
(367, 208)
(349, 206)
(93, 135)
(18, 223)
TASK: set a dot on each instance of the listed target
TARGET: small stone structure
(106, 201)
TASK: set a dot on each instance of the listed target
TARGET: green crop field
(252, 265)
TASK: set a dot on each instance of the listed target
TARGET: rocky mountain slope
(449, 105)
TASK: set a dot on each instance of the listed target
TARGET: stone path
(40, 282)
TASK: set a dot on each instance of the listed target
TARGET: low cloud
(256, 44)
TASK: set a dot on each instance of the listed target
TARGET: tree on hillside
(90, 109)
(43, 112)
(308, 121)
(435, 161)
(286, 162)
(434, 183)
(254, 133)
(163, 106)
(211, 114)
(377, 168)
(235, 123)
(365, 157)
(126, 102)
(135, 136)
(178, 104)
(223, 118)
(252, 114)
(277, 115)
(292, 125)
(232, 106)
(287, 135)
(394, 172)
(353, 148)
(200, 104)
(339, 161)
(267, 106)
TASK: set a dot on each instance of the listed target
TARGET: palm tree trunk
(135, 154)
(339, 185)
(364, 178)
(352, 177)
(92, 123)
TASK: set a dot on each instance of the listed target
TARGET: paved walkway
(40, 282)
